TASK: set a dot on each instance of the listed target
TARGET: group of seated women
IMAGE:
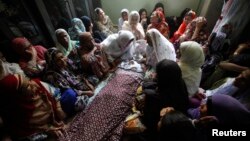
(48, 86)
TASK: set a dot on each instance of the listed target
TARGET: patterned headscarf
(161, 49)
(50, 58)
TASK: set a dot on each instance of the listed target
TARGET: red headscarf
(183, 26)
(10, 84)
(161, 17)
(18, 44)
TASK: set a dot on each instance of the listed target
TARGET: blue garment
(68, 100)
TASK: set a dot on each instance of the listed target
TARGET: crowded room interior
(124, 70)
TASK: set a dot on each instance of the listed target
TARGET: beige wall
(172, 7)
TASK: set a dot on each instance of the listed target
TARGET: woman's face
(124, 16)
(159, 9)
(60, 60)
(243, 80)
(89, 42)
(63, 38)
(203, 110)
(101, 14)
(134, 20)
(29, 87)
(143, 15)
(154, 18)
(187, 19)
(27, 51)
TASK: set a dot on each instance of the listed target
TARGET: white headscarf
(127, 25)
(192, 57)
(120, 44)
(7, 68)
(60, 47)
(120, 20)
(161, 49)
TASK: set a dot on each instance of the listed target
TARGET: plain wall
(171, 7)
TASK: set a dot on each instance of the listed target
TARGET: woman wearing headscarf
(190, 62)
(68, 47)
(158, 48)
(134, 25)
(93, 59)
(157, 21)
(123, 18)
(195, 31)
(77, 28)
(98, 36)
(103, 23)
(189, 16)
(170, 90)
(64, 43)
(31, 57)
(60, 72)
(119, 47)
(225, 108)
(28, 108)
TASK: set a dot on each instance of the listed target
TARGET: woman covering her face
(119, 46)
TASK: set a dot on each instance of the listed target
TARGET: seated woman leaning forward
(119, 47)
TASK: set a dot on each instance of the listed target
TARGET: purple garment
(194, 113)
(228, 110)
(103, 119)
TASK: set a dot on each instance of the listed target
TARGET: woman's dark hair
(184, 12)
(142, 10)
(177, 126)
(157, 5)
